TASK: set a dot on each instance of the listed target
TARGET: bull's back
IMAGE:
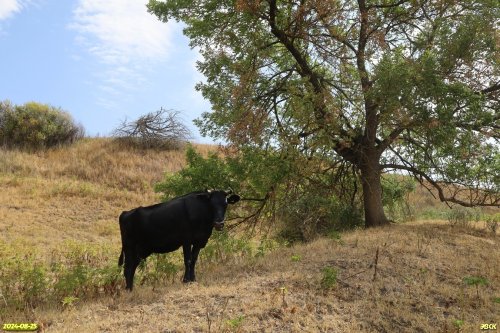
(164, 227)
(167, 226)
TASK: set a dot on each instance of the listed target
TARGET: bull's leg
(131, 262)
(194, 256)
(186, 250)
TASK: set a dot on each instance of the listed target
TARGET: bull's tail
(122, 234)
(120, 260)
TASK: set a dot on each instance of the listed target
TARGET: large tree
(381, 85)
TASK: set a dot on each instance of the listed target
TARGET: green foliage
(74, 272)
(34, 125)
(458, 323)
(430, 213)
(69, 301)
(362, 93)
(158, 269)
(475, 281)
(328, 278)
(395, 192)
(33, 280)
(73, 280)
(492, 223)
(235, 323)
(23, 281)
(80, 271)
(250, 173)
(267, 245)
(310, 213)
(223, 247)
(198, 174)
(462, 216)
(335, 235)
(107, 279)
(305, 211)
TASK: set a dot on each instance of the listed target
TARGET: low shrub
(75, 271)
(328, 278)
(313, 214)
(81, 271)
(35, 125)
(160, 268)
(223, 247)
(395, 197)
(492, 223)
(460, 216)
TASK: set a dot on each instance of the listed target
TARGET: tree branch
(481, 201)
(399, 3)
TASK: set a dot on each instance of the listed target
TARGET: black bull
(185, 221)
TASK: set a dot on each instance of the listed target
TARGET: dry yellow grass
(75, 194)
(97, 160)
(418, 288)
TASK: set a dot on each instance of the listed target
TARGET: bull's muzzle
(219, 225)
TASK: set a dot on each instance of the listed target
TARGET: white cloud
(10, 7)
(122, 35)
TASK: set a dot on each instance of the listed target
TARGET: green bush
(279, 191)
(73, 280)
(223, 247)
(492, 223)
(74, 271)
(328, 278)
(463, 216)
(313, 213)
(395, 192)
(235, 323)
(250, 173)
(23, 281)
(35, 125)
(159, 269)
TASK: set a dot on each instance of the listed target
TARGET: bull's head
(219, 201)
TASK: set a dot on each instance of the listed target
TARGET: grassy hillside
(77, 192)
(418, 287)
(58, 218)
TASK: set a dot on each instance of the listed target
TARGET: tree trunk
(372, 193)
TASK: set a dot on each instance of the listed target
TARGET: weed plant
(328, 278)
(81, 271)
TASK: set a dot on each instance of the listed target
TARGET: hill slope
(418, 287)
(71, 197)
(77, 192)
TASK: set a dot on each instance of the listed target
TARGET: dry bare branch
(160, 129)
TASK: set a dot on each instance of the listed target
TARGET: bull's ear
(234, 198)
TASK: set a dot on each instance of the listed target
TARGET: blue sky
(100, 60)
